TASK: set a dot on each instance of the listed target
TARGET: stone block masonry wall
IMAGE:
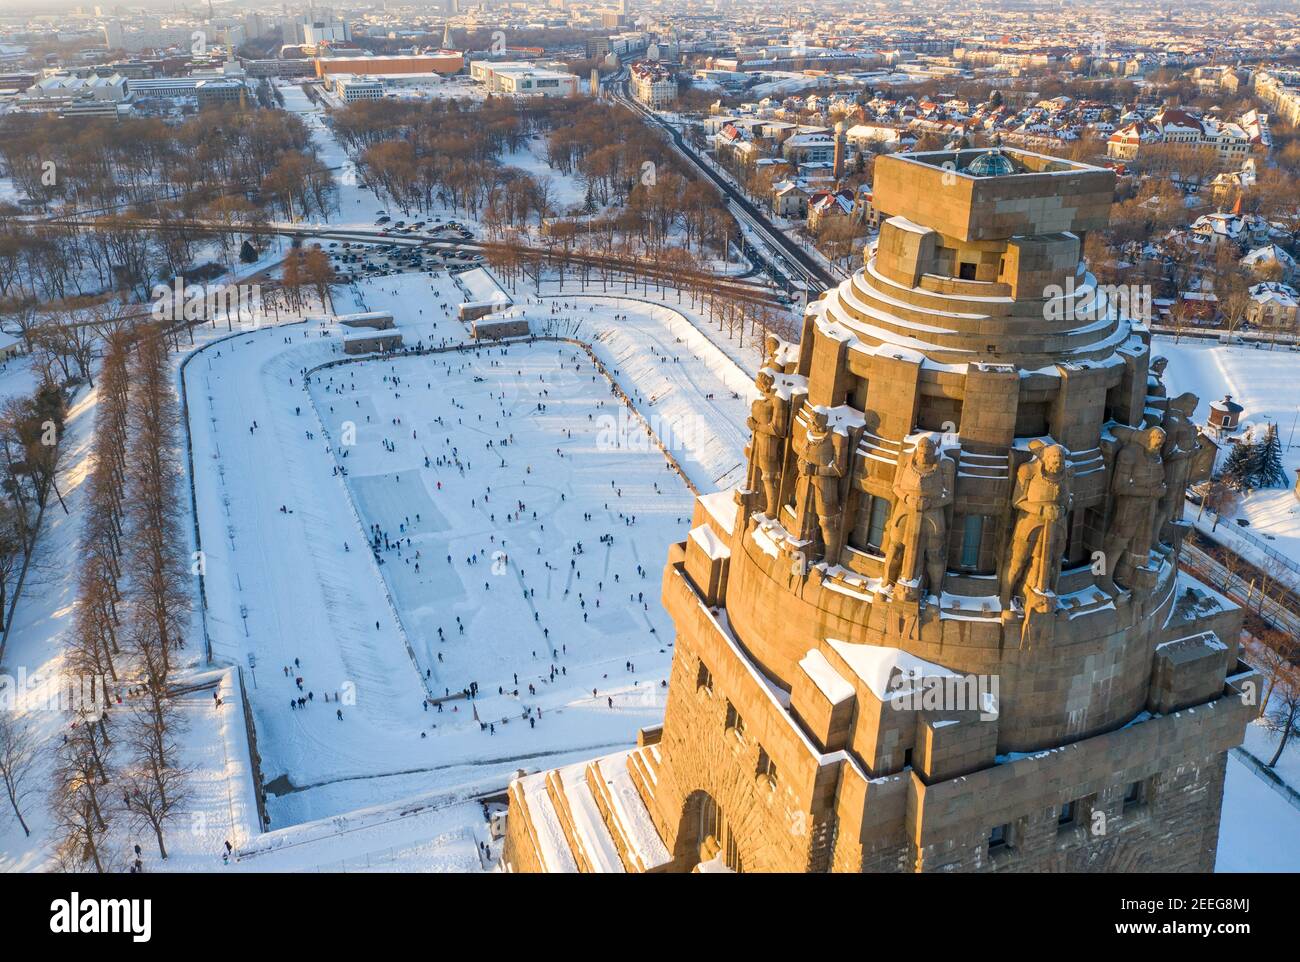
(1175, 762)
(785, 827)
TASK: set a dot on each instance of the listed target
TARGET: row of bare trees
(672, 270)
(30, 431)
(130, 617)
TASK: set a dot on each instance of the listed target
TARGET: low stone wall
(498, 330)
(372, 343)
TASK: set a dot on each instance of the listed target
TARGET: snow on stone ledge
(878, 665)
(825, 677)
(722, 508)
(712, 546)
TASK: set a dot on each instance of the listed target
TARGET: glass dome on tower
(993, 163)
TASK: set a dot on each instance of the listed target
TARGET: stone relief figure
(1156, 373)
(771, 353)
(821, 466)
(1042, 500)
(918, 527)
(769, 419)
(1137, 485)
(1181, 444)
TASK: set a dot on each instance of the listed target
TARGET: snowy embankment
(214, 747)
(695, 397)
(431, 833)
(1259, 830)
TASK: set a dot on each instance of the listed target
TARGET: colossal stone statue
(918, 528)
(1042, 500)
(769, 420)
(1181, 444)
(821, 467)
(772, 353)
(1156, 374)
(1138, 484)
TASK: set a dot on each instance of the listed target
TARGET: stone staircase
(592, 817)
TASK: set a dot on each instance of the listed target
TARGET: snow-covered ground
(566, 193)
(282, 585)
(435, 833)
(35, 645)
(1259, 830)
(1264, 382)
(357, 204)
(1262, 743)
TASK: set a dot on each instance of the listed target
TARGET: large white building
(519, 78)
(653, 85)
(78, 94)
(350, 87)
(65, 87)
(1232, 142)
(317, 27)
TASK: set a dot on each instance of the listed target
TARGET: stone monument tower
(942, 625)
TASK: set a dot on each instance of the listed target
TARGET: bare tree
(79, 804)
(1285, 716)
(156, 788)
(17, 763)
(155, 541)
(1274, 651)
(1220, 499)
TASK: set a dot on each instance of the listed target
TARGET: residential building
(653, 85)
(1273, 306)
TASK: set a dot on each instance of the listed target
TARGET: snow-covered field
(1259, 830)
(300, 583)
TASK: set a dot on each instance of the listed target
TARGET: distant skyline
(10, 9)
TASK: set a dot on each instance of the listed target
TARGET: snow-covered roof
(1268, 254)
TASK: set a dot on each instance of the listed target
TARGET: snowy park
(418, 573)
